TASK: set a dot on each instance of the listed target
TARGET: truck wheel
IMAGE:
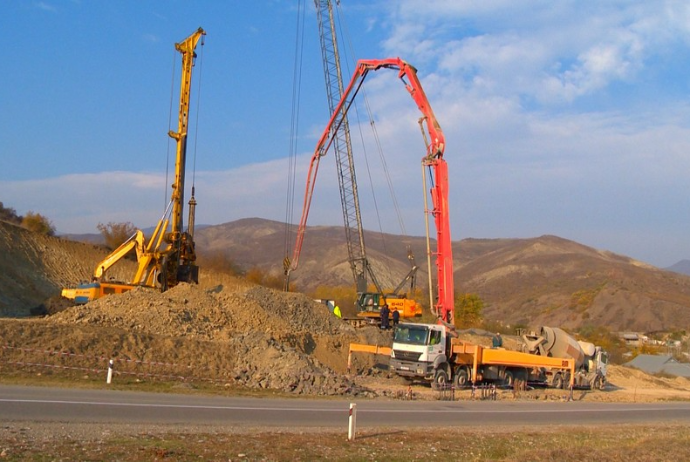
(599, 383)
(440, 380)
(557, 381)
(461, 378)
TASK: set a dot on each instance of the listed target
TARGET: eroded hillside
(34, 268)
(553, 281)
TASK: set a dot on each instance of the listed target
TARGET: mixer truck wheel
(599, 383)
(440, 380)
(557, 381)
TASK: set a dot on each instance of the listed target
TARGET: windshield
(604, 357)
(412, 335)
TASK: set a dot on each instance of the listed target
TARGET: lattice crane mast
(347, 181)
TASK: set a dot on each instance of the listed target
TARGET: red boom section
(433, 159)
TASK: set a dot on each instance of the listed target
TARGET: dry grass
(610, 443)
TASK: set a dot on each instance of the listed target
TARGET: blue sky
(565, 118)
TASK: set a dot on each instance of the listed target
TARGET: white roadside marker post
(110, 372)
(352, 422)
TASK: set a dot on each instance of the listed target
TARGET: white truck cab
(418, 350)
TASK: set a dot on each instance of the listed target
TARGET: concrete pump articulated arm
(437, 139)
(433, 158)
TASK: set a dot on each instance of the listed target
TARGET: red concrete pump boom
(433, 159)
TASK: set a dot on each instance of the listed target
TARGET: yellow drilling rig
(168, 256)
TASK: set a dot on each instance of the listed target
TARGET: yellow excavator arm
(136, 241)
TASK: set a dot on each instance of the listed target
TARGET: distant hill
(91, 238)
(97, 238)
(543, 280)
(682, 267)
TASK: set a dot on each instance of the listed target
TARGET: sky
(567, 118)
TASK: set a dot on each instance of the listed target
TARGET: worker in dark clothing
(497, 341)
(384, 317)
(396, 317)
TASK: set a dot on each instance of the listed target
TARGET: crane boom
(433, 159)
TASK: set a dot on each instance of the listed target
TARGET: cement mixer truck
(590, 360)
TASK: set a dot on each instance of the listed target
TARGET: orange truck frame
(469, 363)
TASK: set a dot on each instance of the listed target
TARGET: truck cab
(596, 368)
(420, 351)
(600, 361)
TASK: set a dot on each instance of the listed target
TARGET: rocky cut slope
(34, 268)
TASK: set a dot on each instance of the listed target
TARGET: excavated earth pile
(255, 337)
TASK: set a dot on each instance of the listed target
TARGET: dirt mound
(269, 339)
(223, 329)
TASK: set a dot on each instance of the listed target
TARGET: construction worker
(497, 341)
(336, 312)
(396, 316)
(384, 317)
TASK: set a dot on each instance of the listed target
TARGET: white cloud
(520, 175)
(551, 53)
(45, 7)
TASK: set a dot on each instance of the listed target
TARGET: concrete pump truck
(432, 352)
(168, 256)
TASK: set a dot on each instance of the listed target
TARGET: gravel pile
(254, 337)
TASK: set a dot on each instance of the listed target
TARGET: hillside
(549, 280)
(543, 280)
(34, 268)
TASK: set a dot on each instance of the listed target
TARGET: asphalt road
(39, 404)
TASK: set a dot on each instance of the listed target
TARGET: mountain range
(545, 280)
